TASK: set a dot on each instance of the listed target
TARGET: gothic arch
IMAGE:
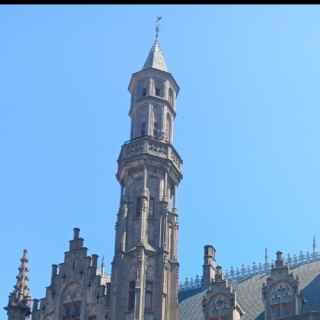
(71, 293)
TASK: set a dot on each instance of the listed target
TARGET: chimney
(279, 260)
(76, 243)
(94, 261)
(209, 265)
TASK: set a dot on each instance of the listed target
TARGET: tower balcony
(147, 145)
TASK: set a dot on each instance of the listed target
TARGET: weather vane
(157, 26)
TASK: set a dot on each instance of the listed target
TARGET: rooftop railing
(247, 271)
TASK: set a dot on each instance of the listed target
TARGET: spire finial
(102, 265)
(157, 27)
(155, 57)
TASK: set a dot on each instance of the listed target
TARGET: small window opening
(170, 96)
(155, 129)
(139, 207)
(131, 297)
(151, 206)
(148, 302)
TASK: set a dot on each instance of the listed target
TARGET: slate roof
(249, 294)
(155, 58)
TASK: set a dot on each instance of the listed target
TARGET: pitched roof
(155, 58)
(250, 298)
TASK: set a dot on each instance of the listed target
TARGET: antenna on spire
(157, 26)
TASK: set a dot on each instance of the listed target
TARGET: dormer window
(158, 92)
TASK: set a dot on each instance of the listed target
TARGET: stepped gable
(77, 286)
(249, 294)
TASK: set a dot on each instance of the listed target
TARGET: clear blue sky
(247, 128)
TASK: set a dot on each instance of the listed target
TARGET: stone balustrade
(150, 146)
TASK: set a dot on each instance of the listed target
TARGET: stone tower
(18, 307)
(144, 279)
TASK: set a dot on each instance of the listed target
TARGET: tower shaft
(145, 266)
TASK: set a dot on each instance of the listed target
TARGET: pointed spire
(155, 58)
(20, 298)
(21, 289)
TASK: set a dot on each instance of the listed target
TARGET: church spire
(155, 58)
(20, 299)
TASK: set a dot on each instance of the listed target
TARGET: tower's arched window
(148, 302)
(151, 206)
(155, 128)
(72, 310)
(131, 295)
(141, 89)
(158, 88)
(168, 127)
(139, 206)
(171, 96)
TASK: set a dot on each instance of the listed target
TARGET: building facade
(143, 284)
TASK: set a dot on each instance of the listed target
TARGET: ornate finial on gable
(21, 288)
(20, 298)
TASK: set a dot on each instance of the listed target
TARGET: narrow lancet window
(155, 129)
(131, 297)
(151, 206)
(143, 129)
(148, 302)
(139, 207)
